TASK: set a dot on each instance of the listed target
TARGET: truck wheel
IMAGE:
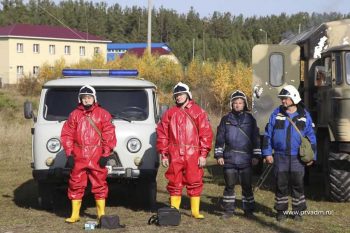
(339, 177)
(45, 196)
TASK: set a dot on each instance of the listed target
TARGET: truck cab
(133, 104)
(317, 62)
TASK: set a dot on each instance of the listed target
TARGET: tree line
(221, 36)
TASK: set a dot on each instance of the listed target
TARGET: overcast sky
(246, 7)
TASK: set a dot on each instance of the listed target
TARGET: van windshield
(131, 105)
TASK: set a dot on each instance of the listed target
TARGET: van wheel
(144, 194)
(150, 202)
(339, 177)
(148, 194)
(45, 196)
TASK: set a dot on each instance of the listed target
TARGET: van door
(274, 66)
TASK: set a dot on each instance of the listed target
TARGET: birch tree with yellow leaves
(221, 85)
(228, 78)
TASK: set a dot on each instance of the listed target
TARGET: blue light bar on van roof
(93, 72)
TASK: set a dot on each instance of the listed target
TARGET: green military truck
(317, 62)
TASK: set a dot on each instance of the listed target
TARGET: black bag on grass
(166, 216)
(110, 222)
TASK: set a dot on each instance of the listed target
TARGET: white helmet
(182, 88)
(87, 90)
(291, 92)
(239, 94)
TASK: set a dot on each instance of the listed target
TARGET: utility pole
(204, 30)
(149, 28)
(262, 30)
(203, 46)
(193, 49)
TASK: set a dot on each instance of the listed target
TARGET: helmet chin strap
(291, 105)
(87, 107)
(234, 111)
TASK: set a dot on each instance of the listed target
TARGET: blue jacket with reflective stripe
(283, 138)
(237, 140)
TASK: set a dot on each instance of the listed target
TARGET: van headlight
(53, 145)
(134, 145)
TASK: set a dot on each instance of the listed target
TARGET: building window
(20, 70)
(35, 70)
(82, 50)
(96, 50)
(36, 48)
(52, 49)
(19, 48)
(67, 50)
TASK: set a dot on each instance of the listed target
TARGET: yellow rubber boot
(195, 207)
(76, 204)
(175, 201)
(100, 205)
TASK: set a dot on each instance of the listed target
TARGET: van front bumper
(114, 172)
(59, 174)
(51, 175)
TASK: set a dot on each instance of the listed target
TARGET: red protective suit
(183, 135)
(80, 139)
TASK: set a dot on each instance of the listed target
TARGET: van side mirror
(28, 110)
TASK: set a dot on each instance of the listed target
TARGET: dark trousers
(294, 180)
(232, 176)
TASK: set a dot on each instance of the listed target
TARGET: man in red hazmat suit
(184, 138)
(88, 137)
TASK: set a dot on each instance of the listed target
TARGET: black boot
(248, 213)
(298, 218)
(227, 215)
(280, 216)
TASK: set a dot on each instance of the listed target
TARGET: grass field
(20, 211)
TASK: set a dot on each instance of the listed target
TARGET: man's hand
(165, 163)
(221, 161)
(202, 161)
(255, 161)
(103, 161)
(310, 163)
(269, 159)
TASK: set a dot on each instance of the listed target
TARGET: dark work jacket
(237, 140)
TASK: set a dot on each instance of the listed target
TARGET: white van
(134, 108)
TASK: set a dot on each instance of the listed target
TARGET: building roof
(127, 46)
(140, 51)
(47, 31)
